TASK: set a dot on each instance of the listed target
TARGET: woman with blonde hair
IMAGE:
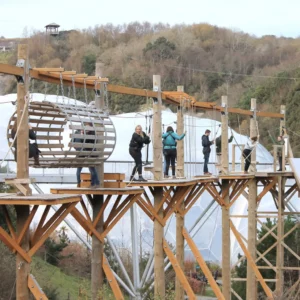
(139, 138)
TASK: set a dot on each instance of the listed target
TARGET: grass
(4, 57)
(52, 278)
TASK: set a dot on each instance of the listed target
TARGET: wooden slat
(46, 129)
(12, 244)
(203, 265)
(91, 145)
(89, 128)
(114, 176)
(35, 289)
(112, 280)
(49, 69)
(100, 191)
(47, 114)
(51, 146)
(92, 137)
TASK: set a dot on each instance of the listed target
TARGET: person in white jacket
(251, 143)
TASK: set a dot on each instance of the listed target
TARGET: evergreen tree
(292, 241)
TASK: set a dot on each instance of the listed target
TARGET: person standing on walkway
(251, 143)
(139, 138)
(280, 142)
(170, 139)
(206, 143)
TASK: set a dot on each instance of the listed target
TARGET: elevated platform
(99, 191)
(44, 199)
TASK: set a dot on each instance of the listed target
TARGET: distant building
(52, 29)
(6, 46)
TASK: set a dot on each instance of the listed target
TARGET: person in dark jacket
(219, 148)
(34, 151)
(95, 183)
(139, 138)
(170, 152)
(206, 143)
(280, 141)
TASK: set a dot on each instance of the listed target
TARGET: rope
(22, 117)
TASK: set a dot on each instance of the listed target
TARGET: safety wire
(45, 90)
(62, 87)
(74, 90)
(85, 91)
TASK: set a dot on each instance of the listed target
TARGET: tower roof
(52, 25)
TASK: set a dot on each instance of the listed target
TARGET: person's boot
(132, 178)
(36, 160)
(141, 178)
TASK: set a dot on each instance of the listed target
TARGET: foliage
(55, 245)
(292, 241)
(8, 273)
(51, 292)
(197, 286)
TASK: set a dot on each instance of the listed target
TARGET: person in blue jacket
(170, 139)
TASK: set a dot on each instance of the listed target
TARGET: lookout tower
(52, 29)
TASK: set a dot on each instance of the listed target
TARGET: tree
(89, 63)
(55, 245)
(160, 50)
(290, 276)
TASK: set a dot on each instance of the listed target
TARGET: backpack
(164, 139)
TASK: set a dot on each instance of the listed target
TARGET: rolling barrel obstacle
(58, 126)
(63, 136)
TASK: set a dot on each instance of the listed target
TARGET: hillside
(209, 61)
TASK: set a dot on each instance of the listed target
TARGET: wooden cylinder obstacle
(69, 135)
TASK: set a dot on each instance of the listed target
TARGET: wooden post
(97, 203)
(157, 132)
(282, 130)
(159, 273)
(253, 132)
(233, 158)
(22, 267)
(180, 144)
(252, 228)
(280, 233)
(224, 120)
(179, 291)
(226, 272)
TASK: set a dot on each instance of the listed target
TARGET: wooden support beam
(159, 272)
(224, 136)
(251, 261)
(180, 144)
(112, 280)
(90, 84)
(179, 272)
(35, 289)
(12, 244)
(253, 132)
(157, 131)
(204, 268)
(252, 233)
(226, 271)
(59, 218)
(23, 266)
(280, 232)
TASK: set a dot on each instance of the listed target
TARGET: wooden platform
(99, 191)
(44, 199)
(172, 182)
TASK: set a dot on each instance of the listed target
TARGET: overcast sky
(258, 17)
